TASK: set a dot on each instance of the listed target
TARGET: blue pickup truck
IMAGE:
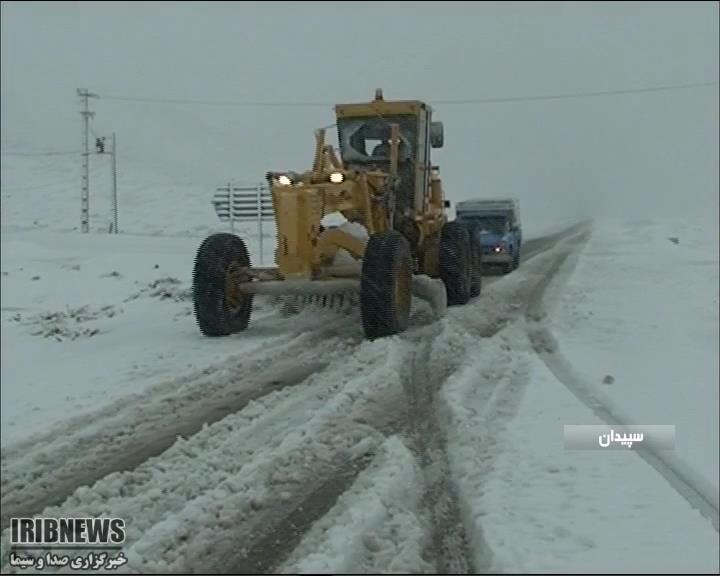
(495, 224)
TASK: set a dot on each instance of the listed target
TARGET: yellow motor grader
(384, 184)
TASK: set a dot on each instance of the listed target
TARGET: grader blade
(330, 292)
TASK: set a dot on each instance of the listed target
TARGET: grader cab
(384, 185)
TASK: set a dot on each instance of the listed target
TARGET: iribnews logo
(67, 532)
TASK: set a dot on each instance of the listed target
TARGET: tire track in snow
(450, 550)
(303, 476)
(375, 527)
(546, 347)
(381, 413)
(421, 426)
(273, 543)
(47, 476)
(127, 433)
(402, 411)
(480, 402)
(376, 414)
(239, 476)
(432, 366)
(406, 411)
(151, 436)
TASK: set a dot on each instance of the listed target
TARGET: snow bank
(638, 319)
(532, 506)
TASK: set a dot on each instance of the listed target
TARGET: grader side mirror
(436, 134)
(446, 203)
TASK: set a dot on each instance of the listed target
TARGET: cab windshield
(367, 140)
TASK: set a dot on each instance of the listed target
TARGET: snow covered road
(309, 449)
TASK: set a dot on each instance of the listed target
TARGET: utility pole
(258, 190)
(101, 149)
(114, 186)
(85, 192)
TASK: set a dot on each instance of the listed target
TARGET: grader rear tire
(476, 274)
(456, 263)
(385, 285)
(221, 309)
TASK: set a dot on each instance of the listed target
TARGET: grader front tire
(385, 285)
(220, 308)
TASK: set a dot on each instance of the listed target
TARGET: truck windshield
(487, 224)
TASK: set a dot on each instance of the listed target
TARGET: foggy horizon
(625, 155)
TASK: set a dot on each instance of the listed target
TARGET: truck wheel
(509, 266)
(516, 259)
(220, 308)
(385, 285)
(456, 262)
(476, 282)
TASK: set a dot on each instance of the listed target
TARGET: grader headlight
(284, 180)
(337, 177)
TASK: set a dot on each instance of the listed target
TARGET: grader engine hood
(301, 202)
(362, 193)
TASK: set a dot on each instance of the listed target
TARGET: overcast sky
(633, 154)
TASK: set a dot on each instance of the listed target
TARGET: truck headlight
(337, 177)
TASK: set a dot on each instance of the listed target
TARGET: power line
(216, 102)
(579, 94)
(39, 153)
(54, 186)
(269, 104)
(53, 183)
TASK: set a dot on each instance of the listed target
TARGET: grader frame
(396, 197)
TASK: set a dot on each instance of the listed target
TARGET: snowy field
(299, 447)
